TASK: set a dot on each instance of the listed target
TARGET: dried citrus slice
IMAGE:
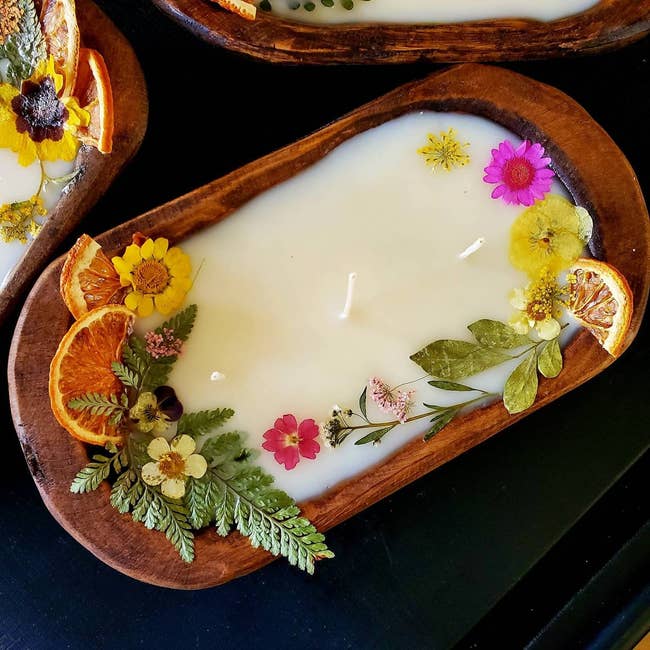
(601, 300)
(95, 95)
(89, 279)
(61, 32)
(244, 9)
(82, 364)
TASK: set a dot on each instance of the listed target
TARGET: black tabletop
(540, 532)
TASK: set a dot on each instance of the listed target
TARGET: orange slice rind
(600, 299)
(88, 278)
(82, 364)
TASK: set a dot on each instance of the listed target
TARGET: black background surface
(423, 567)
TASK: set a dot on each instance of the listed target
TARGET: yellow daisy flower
(38, 124)
(159, 276)
(173, 464)
(550, 235)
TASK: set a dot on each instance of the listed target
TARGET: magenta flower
(289, 442)
(522, 173)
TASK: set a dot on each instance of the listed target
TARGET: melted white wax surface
(18, 183)
(433, 11)
(274, 276)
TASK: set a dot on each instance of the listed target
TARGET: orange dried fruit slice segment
(82, 364)
(88, 278)
(601, 300)
(244, 9)
(61, 33)
(95, 95)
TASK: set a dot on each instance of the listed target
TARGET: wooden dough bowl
(97, 171)
(607, 25)
(587, 161)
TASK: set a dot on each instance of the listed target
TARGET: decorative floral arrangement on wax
(547, 242)
(55, 96)
(248, 10)
(175, 472)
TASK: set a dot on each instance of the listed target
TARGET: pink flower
(289, 442)
(163, 345)
(397, 403)
(523, 173)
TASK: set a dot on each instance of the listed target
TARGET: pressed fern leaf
(242, 496)
(98, 470)
(182, 323)
(198, 424)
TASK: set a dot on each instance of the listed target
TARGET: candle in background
(427, 11)
(18, 183)
(270, 290)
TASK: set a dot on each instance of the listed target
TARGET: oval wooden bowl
(609, 24)
(98, 171)
(591, 165)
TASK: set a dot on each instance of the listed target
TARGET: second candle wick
(472, 248)
(352, 279)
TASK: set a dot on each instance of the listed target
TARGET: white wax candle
(18, 183)
(271, 287)
(433, 11)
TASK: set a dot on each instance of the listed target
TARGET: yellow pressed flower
(538, 306)
(159, 276)
(551, 234)
(18, 220)
(173, 464)
(445, 151)
(38, 124)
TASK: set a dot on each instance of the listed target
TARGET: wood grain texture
(97, 171)
(588, 162)
(610, 24)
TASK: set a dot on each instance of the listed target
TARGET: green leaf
(440, 422)
(550, 360)
(98, 470)
(236, 494)
(198, 424)
(451, 385)
(363, 402)
(182, 323)
(374, 436)
(24, 49)
(125, 374)
(495, 334)
(98, 404)
(521, 387)
(450, 359)
(135, 356)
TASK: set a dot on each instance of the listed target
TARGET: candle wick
(472, 248)
(352, 279)
(217, 376)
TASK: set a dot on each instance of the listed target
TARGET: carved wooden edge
(607, 25)
(97, 171)
(579, 148)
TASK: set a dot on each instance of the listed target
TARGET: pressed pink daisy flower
(289, 441)
(163, 345)
(522, 174)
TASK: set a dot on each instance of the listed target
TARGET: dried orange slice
(95, 95)
(82, 364)
(601, 300)
(89, 279)
(61, 32)
(244, 9)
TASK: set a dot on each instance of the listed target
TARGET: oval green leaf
(495, 334)
(550, 359)
(521, 388)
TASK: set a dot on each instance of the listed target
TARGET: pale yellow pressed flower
(159, 276)
(538, 306)
(173, 464)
